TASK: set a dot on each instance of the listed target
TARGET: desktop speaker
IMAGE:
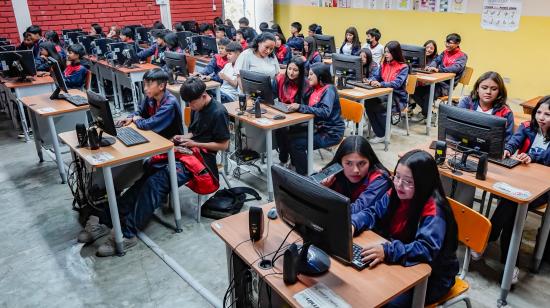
(440, 152)
(481, 172)
(242, 102)
(256, 223)
(81, 135)
(93, 138)
(290, 264)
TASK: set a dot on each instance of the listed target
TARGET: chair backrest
(473, 228)
(411, 84)
(191, 63)
(187, 116)
(466, 76)
(88, 80)
(352, 111)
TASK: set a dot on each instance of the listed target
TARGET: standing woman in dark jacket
(351, 44)
(419, 224)
(322, 101)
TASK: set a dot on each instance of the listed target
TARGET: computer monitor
(415, 56)
(58, 79)
(190, 25)
(19, 63)
(4, 43)
(209, 45)
(100, 48)
(347, 66)
(7, 48)
(141, 35)
(86, 41)
(65, 31)
(182, 38)
(196, 42)
(325, 43)
(472, 132)
(3, 39)
(72, 37)
(318, 214)
(177, 65)
(122, 54)
(257, 85)
(102, 117)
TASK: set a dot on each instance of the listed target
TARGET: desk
(128, 77)
(42, 106)
(210, 85)
(202, 60)
(361, 95)
(529, 105)
(366, 288)
(527, 177)
(37, 86)
(121, 155)
(432, 79)
(291, 119)
(104, 71)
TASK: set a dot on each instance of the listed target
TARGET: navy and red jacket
(315, 58)
(75, 75)
(394, 75)
(213, 67)
(504, 112)
(324, 104)
(426, 246)
(522, 141)
(374, 186)
(283, 54)
(164, 117)
(36, 47)
(354, 49)
(450, 62)
(156, 53)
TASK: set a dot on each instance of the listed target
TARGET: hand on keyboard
(373, 254)
(524, 158)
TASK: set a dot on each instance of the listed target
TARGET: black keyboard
(281, 107)
(129, 136)
(506, 162)
(76, 100)
(419, 70)
(360, 85)
(356, 262)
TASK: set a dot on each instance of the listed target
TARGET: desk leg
(116, 96)
(451, 89)
(37, 137)
(23, 120)
(113, 208)
(419, 293)
(430, 108)
(174, 189)
(541, 241)
(269, 149)
(135, 96)
(310, 147)
(58, 158)
(100, 84)
(511, 258)
(388, 121)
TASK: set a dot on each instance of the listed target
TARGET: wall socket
(507, 79)
(213, 7)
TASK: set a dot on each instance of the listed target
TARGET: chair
(473, 232)
(464, 81)
(191, 63)
(410, 88)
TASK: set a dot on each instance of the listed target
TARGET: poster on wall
(501, 15)
(443, 6)
(458, 6)
(425, 5)
(387, 5)
(403, 5)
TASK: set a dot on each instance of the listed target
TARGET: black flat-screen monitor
(190, 25)
(141, 35)
(102, 117)
(415, 56)
(72, 37)
(176, 64)
(325, 43)
(123, 54)
(58, 79)
(8, 48)
(209, 45)
(348, 66)
(257, 85)
(100, 48)
(86, 41)
(18, 63)
(182, 36)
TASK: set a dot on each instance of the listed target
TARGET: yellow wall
(522, 56)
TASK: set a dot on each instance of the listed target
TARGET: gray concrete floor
(42, 265)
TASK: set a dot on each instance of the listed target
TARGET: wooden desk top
(529, 105)
(12, 83)
(43, 106)
(141, 67)
(291, 118)
(367, 288)
(527, 177)
(175, 88)
(435, 77)
(360, 93)
(120, 152)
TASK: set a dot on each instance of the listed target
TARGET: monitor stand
(463, 163)
(105, 141)
(57, 94)
(313, 260)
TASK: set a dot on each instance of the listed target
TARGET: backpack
(228, 201)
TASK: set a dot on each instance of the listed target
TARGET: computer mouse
(272, 213)
(279, 117)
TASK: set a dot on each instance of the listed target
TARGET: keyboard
(76, 100)
(281, 107)
(506, 162)
(419, 70)
(360, 85)
(129, 136)
(356, 261)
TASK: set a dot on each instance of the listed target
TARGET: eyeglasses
(399, 181)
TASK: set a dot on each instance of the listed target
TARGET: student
(452, 60)
(431, 50)
(164, 42)
(282, 51)
(259, 57)
(417, 218)
(52, 36)
(263, 26)
(289, 88)
(351, 44)
(218, 21)
(27, 43)
(296, 40)
(35, 33)
(322, 101)
(370, 67)
(127, 36)
(489, 96)
(114, 33)
(178, 27)
(47, 49)
(311, 53)
(96, 29)
(248, 32)
(220, 33)
(314, 29)
(230, 86)
(277, 28)
(364, 179)
(217, 62)
(158, 25)
(392, 74)
(228, 23)
(160, 111)
(206, 29)
(75, 72)
(373, 44)
(241, 40)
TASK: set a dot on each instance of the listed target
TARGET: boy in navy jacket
(164, 42)
(35, 33)
(76, 70)
(217, 62)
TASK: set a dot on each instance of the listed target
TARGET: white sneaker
(475, 256)
(375, 140)
(515, 276)
(419, 117)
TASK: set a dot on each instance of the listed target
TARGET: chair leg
(489, 203)
(482, 203)
(225, 179)
(467, 301)
(407, 122)
(199, 205)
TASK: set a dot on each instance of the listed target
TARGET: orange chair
(410, 88)
(464, 81)
(191, 63)
(473, 232)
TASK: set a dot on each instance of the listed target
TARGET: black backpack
(228, 201)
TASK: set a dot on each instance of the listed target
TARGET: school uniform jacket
(394, 75)
(164, 117)
(283, 54)
(75, 75)
(326, 109)
(522, 141)
(426, 246)
(213, 67)
(316, 58)
(503, 112)
(156, 53)
(450, 62)
(354, 49)
(374, 186)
